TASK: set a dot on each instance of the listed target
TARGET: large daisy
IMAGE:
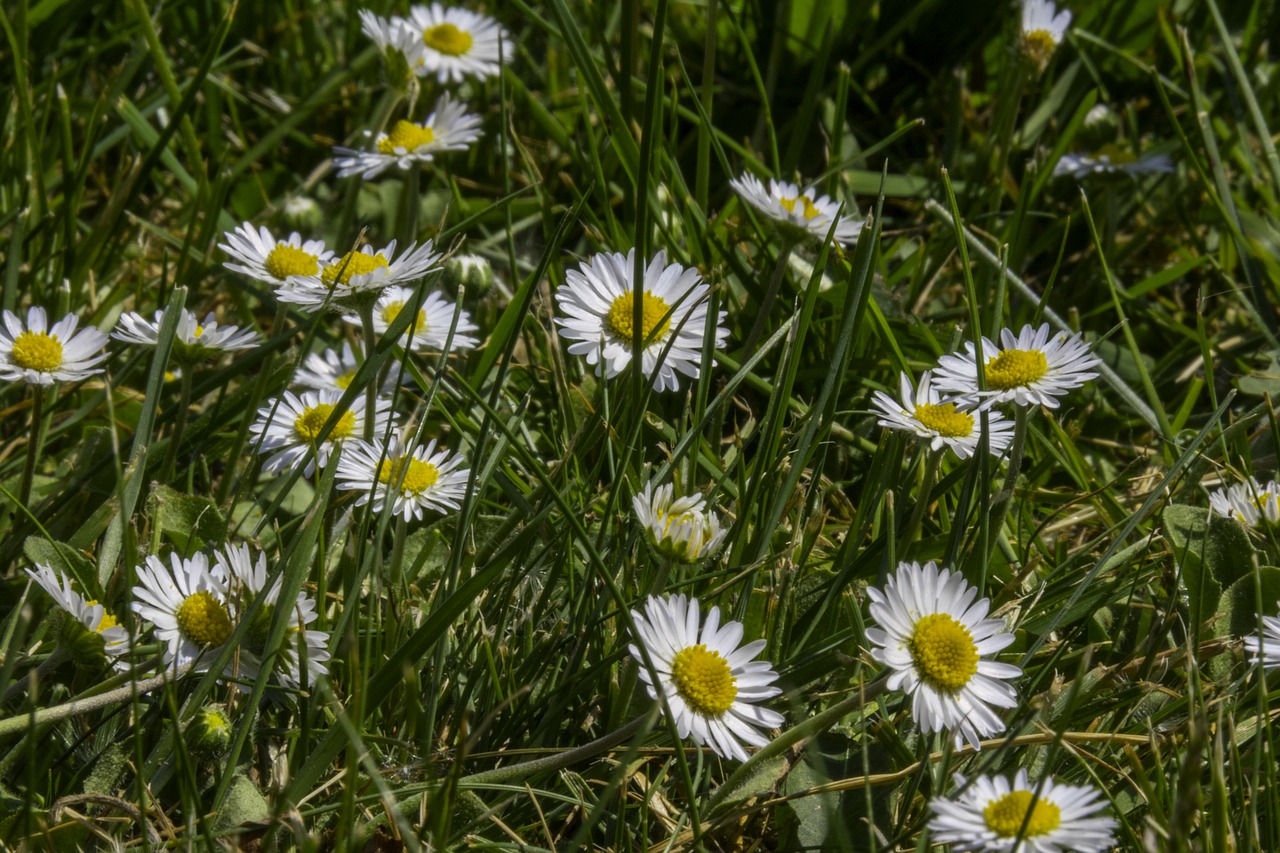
(599, 307)
(261, 256)
(187, 605)
(1249, 502)
(416, 478)
(192, 341)
(1043, 28)
(449, 128)
(359, 275)
(430, 330)
(709, 681)
(39, 355)
(289, 428)
(1033, 367)
(803, 209)
(933, 636)
(942, 422)
(458, 43)
(680, 529)
(995, 814)
(96, 632)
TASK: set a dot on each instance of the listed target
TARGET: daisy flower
(449, 128)
(40, 355)
(1111, 159)
(187, 605)
(944, 423)
(598, 302)
(392, 34)
(332, 370)
(933, 637)
(260, 256)
(1043, 28)
(683, 529)
(1030, 368)
(431, 328)
(246, 581)
(1265, 649)
(804, 209)
(709, 681)
(417, 478)
(94, 632)
(457, 43)
(290, 426)
(1249, 502)
(359, 275)
(192, 341)
(995, 814)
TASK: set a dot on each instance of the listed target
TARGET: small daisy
(1111, 159)
(683, 529)
(1265, 649)
(449, 128)
(392, 34)
(1249, 502)
(40, 355)
(335, 371)
(246, 580)
(419, 477)
(1043, 28)
(709, 681)
(431, 328)
(193, 341)
(995, 814)
(99, 632)
(289, 427)
(1029, 369)
(599, 306)
(945, 423)
(187, 605)
(263, 257)
(360, 274)
(933, 636)
(804, 209)
(458, 43)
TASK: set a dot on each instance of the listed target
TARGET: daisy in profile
(39, 355)
(1043, 28)
(458, 43)
(598, 304)
(192, 341)
(933, 636)
(683, 529)
(995, 814)
(1111, 159)
(246, 581)
(359, 276)
(943, 423)
(1249, 502)
(91, 633)
(803, 209)
(1032, 368)
(416, 478)
(289, 428)
(711, 683)
(1265, 648)
(449, 128)
(430, 330)
(261, 256)
(187, 605)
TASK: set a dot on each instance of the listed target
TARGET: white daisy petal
(448, 128)
(37, 355)
(289, 428)
(417, 478)
(805, 210)
(942, 421)
(1032, 368)
(684, 530)
(457, 43)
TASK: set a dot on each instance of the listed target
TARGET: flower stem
(931, 464)
(179, 423)
(1004, 498)
(34, 443)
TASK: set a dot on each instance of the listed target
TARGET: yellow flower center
(1015, 368)
(652, 311)
(943, 651)
(204, 620)
(406, 135)
(418, 476)
(37, 351)
(312, 420)
(943, 419)
(199, 330)
(1006, 816)
(392, 310)
(344, 380)
(446, 38)
(704, 680)
(352, 263)
(807, 207)
(1038, 46)
(1115, 155)
(285, 260)
(669, 520)
(107, 620)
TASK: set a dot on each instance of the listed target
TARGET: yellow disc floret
(392, 310)
(418, 475)
(285, 260)
(350, 264)
(447, 39)
(653, 310)
(204, 620)
(37, 351)
(308, 424)
(1016, 368)
(1038, 46)
(406, 135)
(1006, 816)
(704, 680)
(943, 651)
(107, 620)
(344, 380)
(943, 419)
(807, 208)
